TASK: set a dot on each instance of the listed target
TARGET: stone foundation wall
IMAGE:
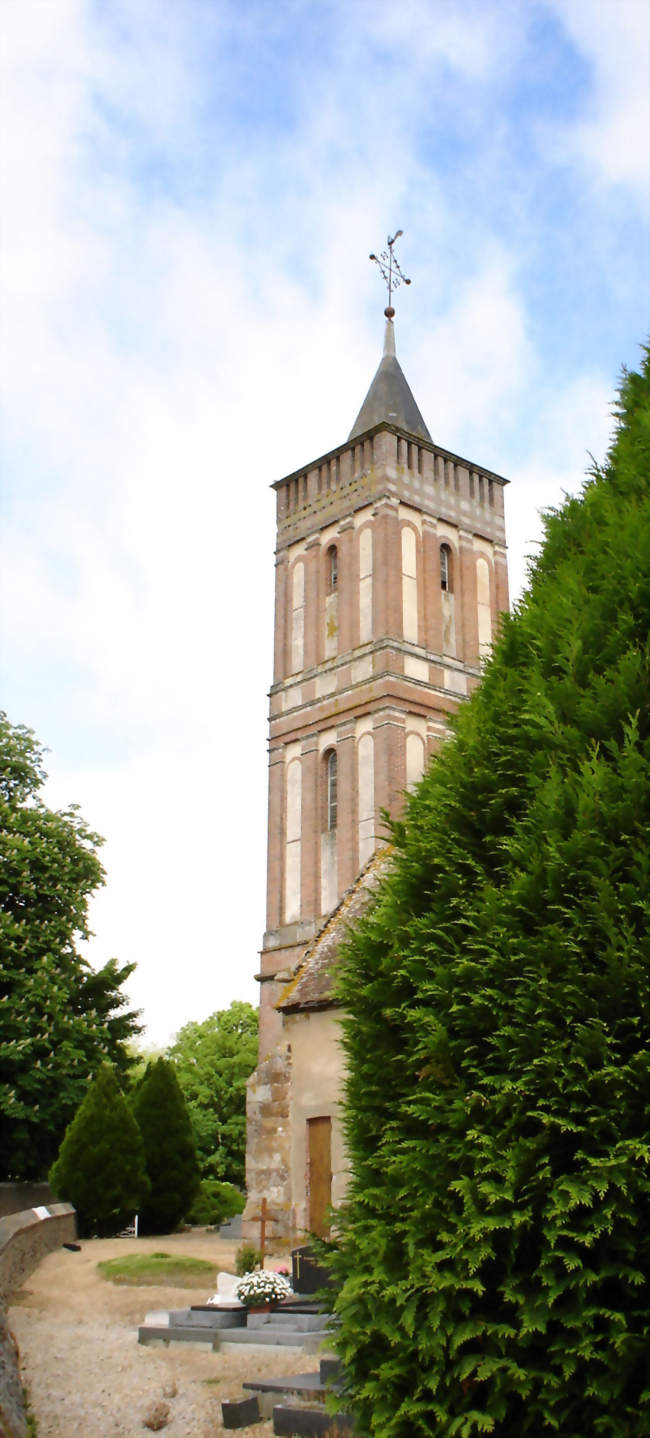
(268, 1163)
(24, 1240)
(13, 1422)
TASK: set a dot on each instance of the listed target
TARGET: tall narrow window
(409, 585)
(445, 567)
(331, 795)
(298, 617)
(484, 607)
(332, 568)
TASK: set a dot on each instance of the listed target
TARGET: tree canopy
(213, 1060)
(101, 1164)
(170, 1156)
(59, 1018)
(494, 1262)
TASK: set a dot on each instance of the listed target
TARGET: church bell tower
(390, 578)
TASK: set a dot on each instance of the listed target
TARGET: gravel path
(86, 1374)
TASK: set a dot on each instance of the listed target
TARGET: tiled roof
(390, 398)
(311, 986)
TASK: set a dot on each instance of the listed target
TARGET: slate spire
(389, 397)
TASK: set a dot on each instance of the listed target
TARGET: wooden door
(319, 1168)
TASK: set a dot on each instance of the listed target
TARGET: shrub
(100, 1168)
(247, 1258)
(170, 1156)
(215, 1203)
(494, 1270)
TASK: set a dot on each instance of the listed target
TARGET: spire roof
(389, 397)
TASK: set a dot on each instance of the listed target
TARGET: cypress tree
(170, 1154)
(494, 1258)
(100, 1168)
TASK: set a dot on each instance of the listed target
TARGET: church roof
(389, 398)
(312, 983)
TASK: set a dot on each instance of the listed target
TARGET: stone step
(209, 1316)
(152, 1333)
(304, 1322)
(309, 1341)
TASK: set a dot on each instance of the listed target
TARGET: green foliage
(170, 1155)
(59, 1019)
(100, 1168)
(247, 1259)
(213, 1060)
(494, 1262)
(215, 1202)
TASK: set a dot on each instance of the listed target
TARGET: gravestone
(308, 1275)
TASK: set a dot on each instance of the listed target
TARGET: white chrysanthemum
(262, 1287)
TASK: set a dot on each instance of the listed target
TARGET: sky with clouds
(190, 193)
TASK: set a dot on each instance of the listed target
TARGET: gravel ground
(86, 1374)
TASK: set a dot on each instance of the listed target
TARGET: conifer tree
(170, 1153)
(494, 1261)
(100, 1168)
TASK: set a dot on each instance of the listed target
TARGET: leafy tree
(59, 1019)
(100, 1168)
(494, 1263)
(215, 1202)
(170, 1155)
(213, 1060)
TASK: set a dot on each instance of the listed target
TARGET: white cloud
(611, 137)
(478, 358)
(190, 313)
(570, 429)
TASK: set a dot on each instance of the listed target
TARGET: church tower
(390, 577)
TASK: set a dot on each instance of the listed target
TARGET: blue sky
(190, 195)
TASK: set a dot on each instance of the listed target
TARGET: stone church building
(390, 578)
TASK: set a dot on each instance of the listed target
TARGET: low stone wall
(13, 1423)
(25, 1238)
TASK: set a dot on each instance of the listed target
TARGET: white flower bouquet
(260, 1287)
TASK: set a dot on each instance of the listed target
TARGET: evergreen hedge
(493, 1268)
(100, 1168)
(170, 1154)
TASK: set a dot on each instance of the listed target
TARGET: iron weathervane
(391, 271)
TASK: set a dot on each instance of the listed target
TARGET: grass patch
(165, 1269)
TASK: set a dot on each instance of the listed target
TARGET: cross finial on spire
(391, 271)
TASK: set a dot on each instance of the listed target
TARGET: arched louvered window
(332, 569)
(445, 567)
